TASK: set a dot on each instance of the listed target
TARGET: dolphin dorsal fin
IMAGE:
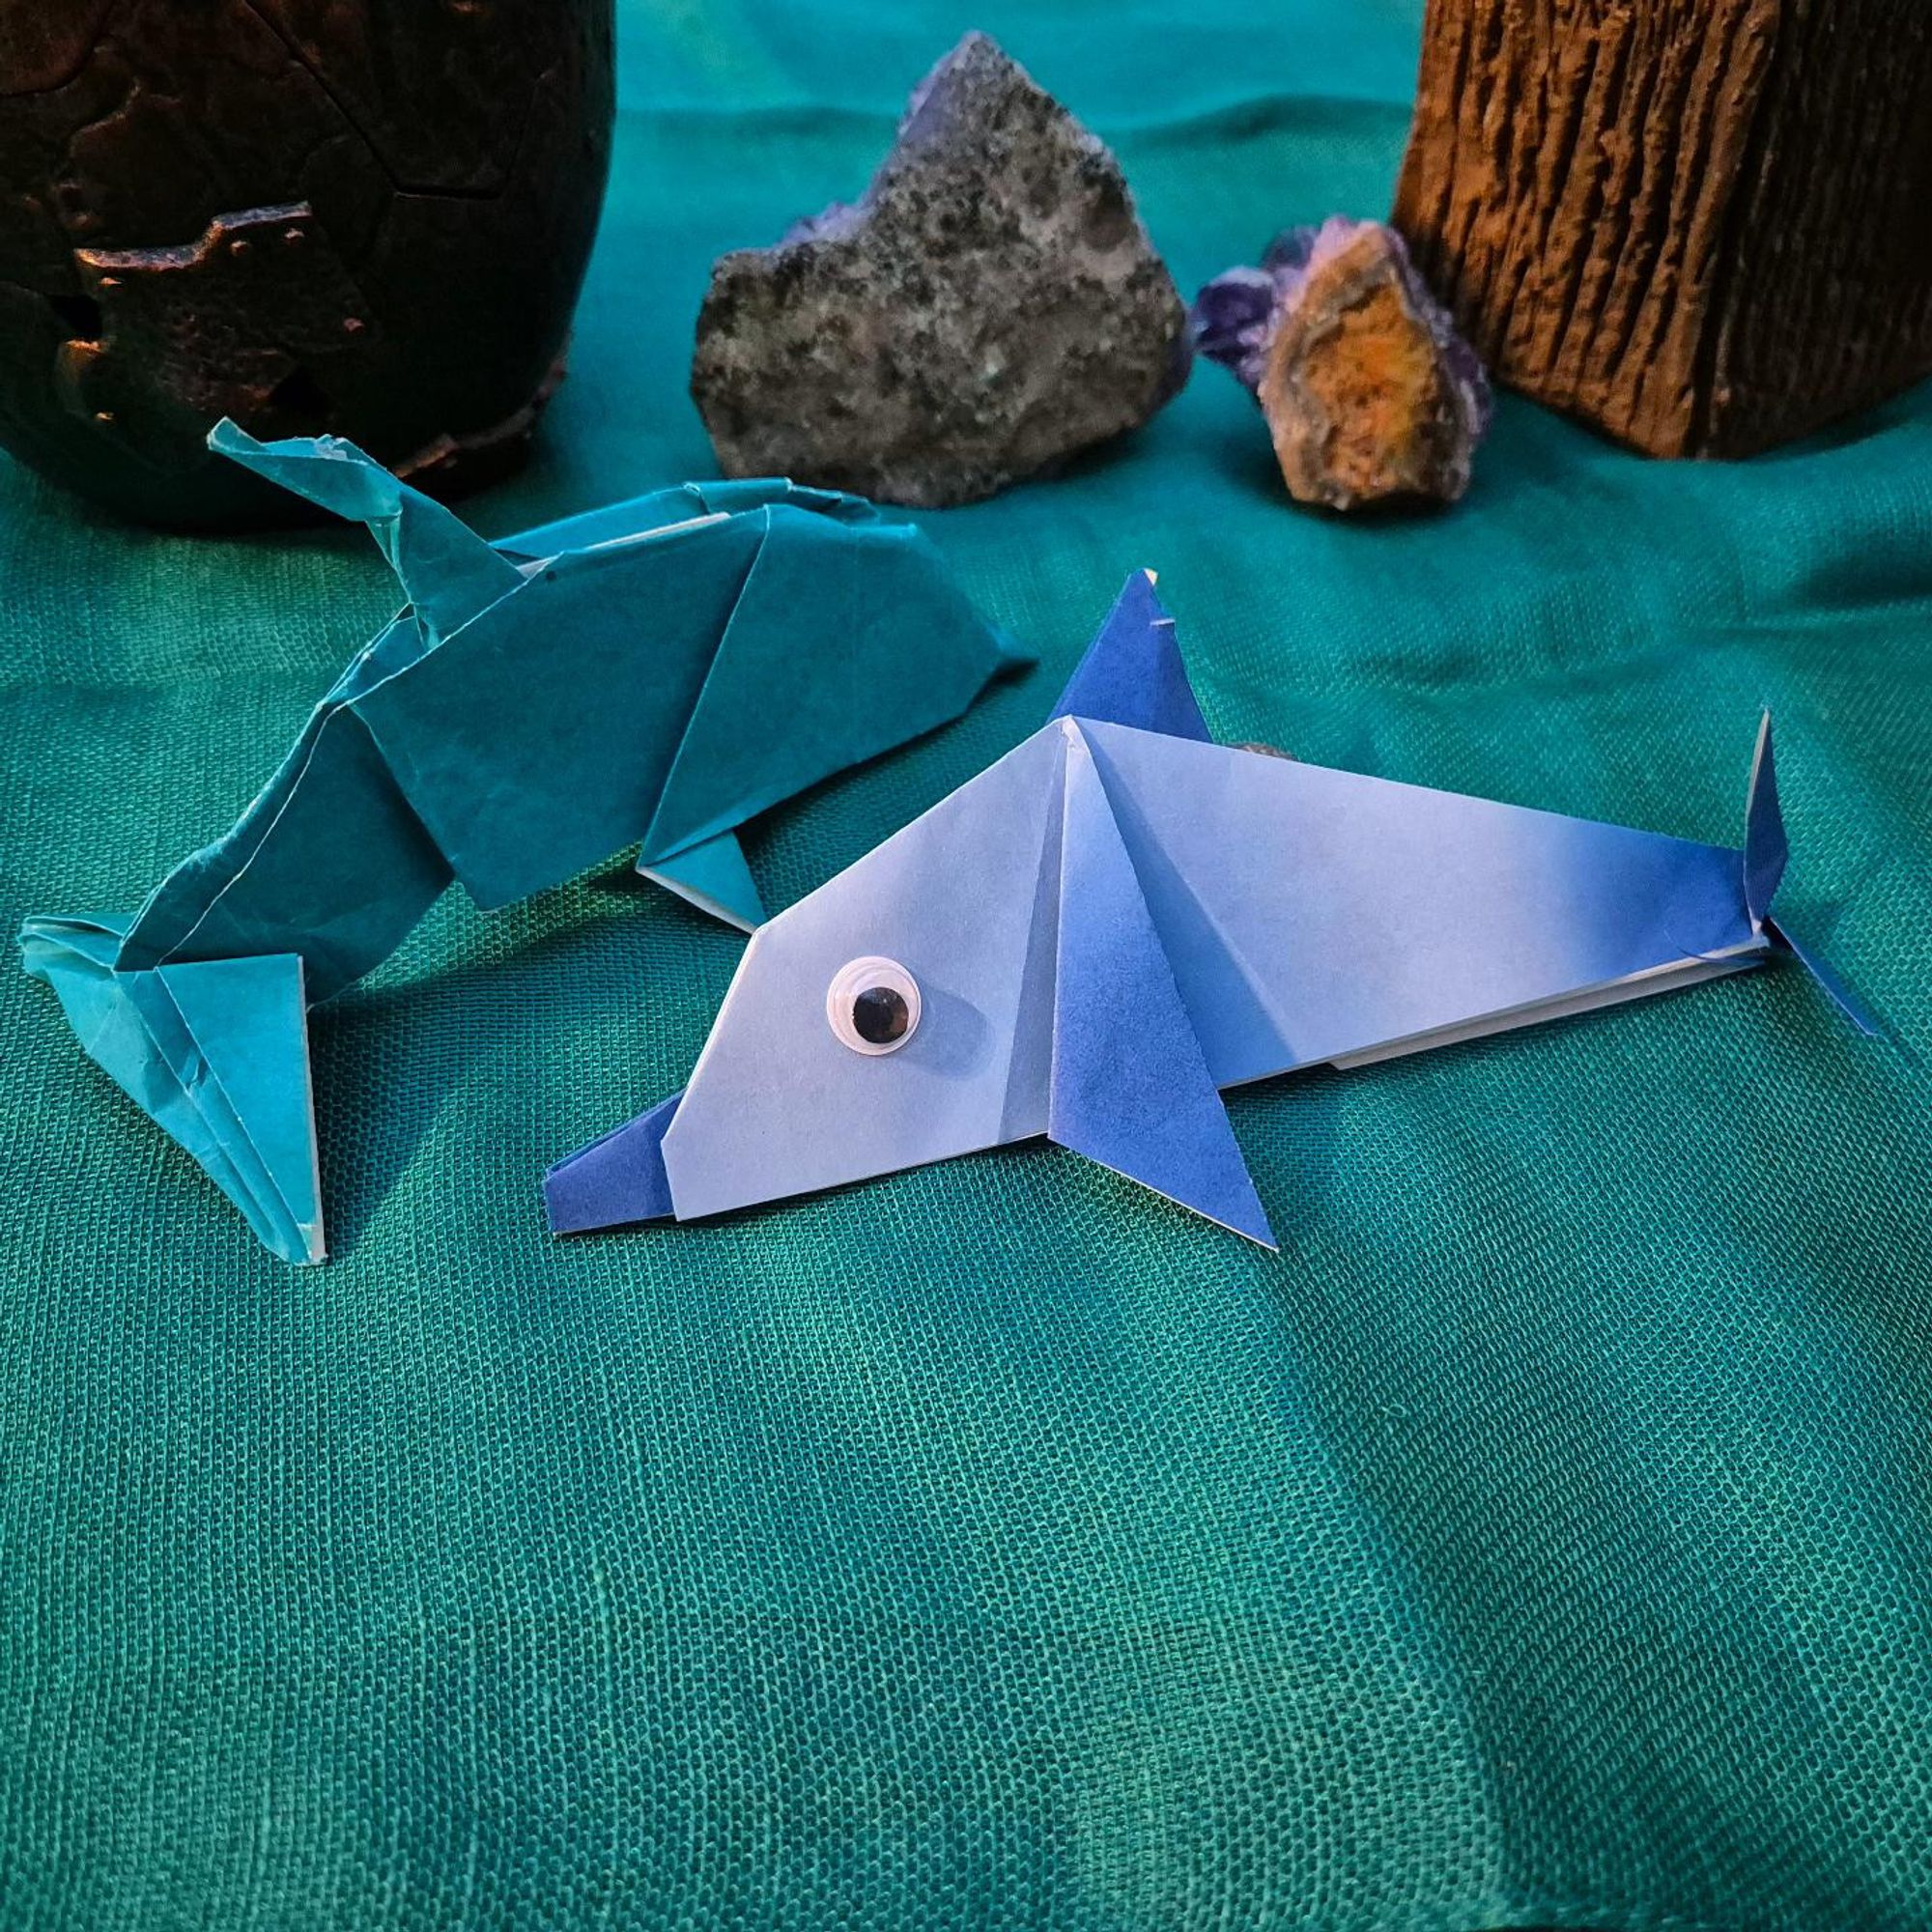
(448, 572)
(1130, 1087)
(1132, 672)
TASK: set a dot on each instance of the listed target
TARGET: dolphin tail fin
(1766, 849)
(448, 572)
(216, 1053)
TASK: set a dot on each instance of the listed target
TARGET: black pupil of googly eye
(879, 1015)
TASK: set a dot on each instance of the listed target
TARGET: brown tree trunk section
(1704, 226)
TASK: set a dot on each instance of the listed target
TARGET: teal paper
(714, 877)
(778, 713)
(658, 671)
(215, 1052)
(448, 572)
(247, 1019)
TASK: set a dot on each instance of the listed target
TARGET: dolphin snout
(614, 1180)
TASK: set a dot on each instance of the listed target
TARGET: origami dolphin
(660, 670)
(1120, 918)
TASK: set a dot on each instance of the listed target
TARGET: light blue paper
(1113, 924)
(206, 1050)
(652, 674)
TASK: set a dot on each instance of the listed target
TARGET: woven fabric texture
(1542, 1539)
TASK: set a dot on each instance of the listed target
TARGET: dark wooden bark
(1704, 226)
(367, 216)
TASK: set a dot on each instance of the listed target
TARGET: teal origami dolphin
(656, 671)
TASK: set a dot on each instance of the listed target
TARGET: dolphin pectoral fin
(216, 1054)
(714, 877)
(618, 1178)
(446, 570)
(1159, 1125)
(1130, 1087)
(1012, 658)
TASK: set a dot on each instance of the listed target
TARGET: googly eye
(872, 1005)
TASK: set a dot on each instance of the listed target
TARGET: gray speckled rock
(991, 306)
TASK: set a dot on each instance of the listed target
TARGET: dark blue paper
(1133, 672)
(1130, 1087)
(617, 1178)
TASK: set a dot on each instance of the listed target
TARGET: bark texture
(1703, 225)
(350, 216)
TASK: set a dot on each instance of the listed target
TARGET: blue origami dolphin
(656, 671)
(1120, 918)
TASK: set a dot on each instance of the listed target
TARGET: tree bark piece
(1704, 226)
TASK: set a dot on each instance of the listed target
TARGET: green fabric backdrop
(1541, 1539)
